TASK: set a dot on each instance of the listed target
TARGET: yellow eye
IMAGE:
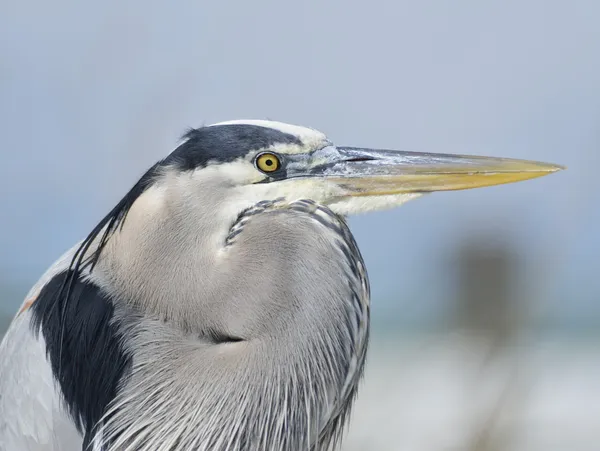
(267, 162)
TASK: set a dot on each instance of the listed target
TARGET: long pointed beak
(368, 172)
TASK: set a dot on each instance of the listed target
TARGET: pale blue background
(92, 93)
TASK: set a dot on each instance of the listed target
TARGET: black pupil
(269, 162)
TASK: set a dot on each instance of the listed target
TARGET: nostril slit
(360, 159)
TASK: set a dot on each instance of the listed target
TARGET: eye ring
(267, 162)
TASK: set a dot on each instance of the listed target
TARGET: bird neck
(165, 258)
(252, 333)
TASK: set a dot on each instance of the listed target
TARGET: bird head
(258, 160)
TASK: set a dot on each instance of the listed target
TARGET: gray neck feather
(289, 283)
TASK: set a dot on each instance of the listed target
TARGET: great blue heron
(222, 304)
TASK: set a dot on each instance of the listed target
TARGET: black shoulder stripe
(83, 346)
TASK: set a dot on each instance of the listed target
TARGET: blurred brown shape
(485, 302)
(489, 311)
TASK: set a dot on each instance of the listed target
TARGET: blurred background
(486, 303)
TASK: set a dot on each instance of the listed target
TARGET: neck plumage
(235, 347)
(247, 395)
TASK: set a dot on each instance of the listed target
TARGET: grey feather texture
(294, 289)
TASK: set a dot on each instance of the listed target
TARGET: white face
(246, 183)
(250, 179)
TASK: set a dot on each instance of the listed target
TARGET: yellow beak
(368, 172)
